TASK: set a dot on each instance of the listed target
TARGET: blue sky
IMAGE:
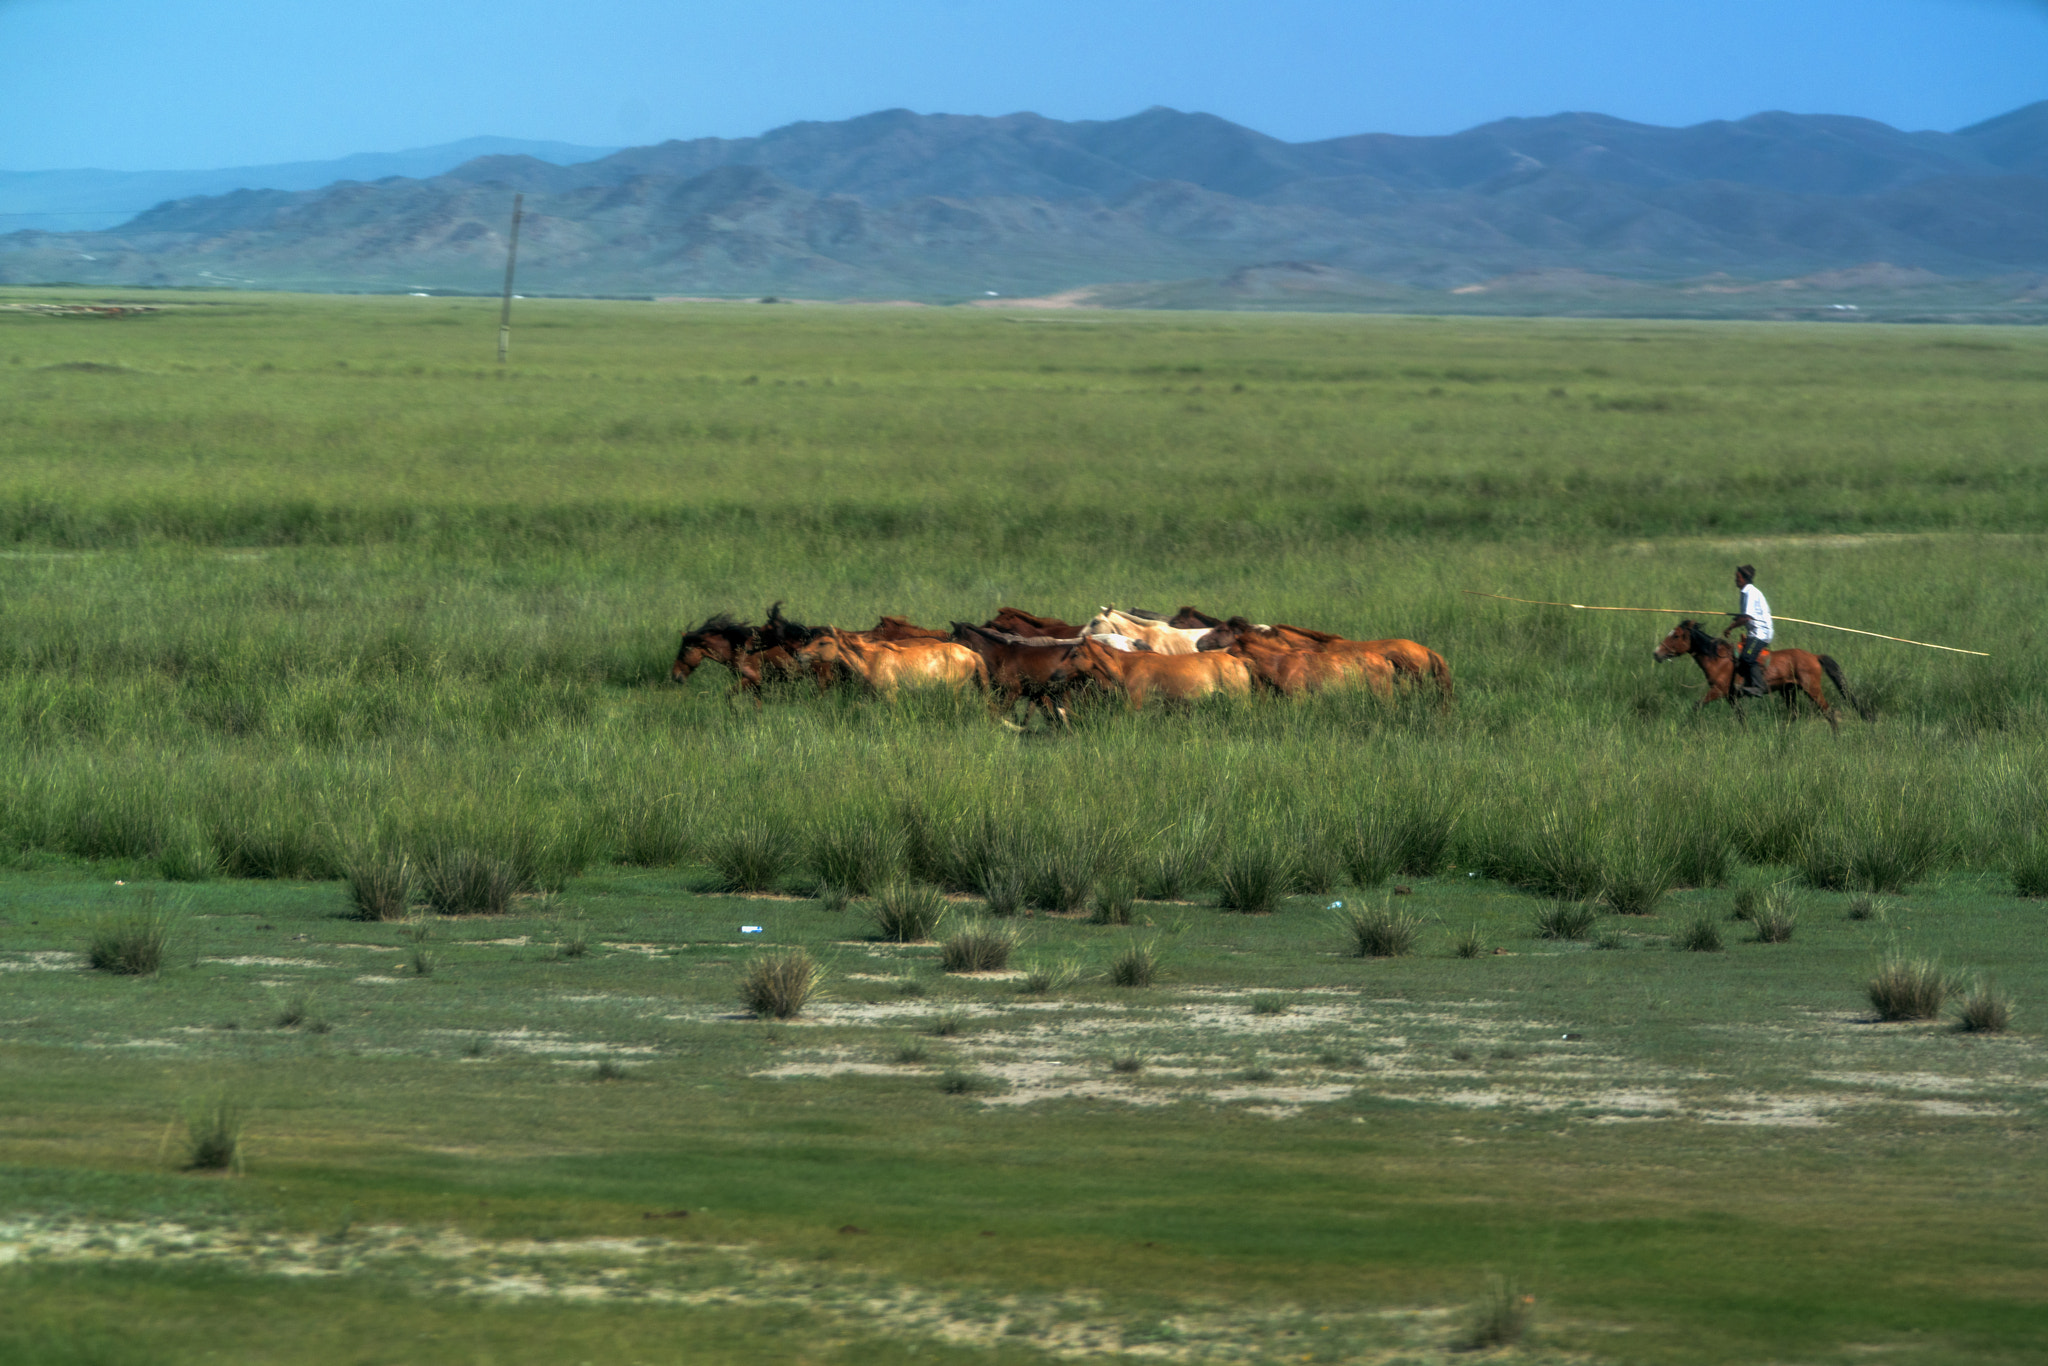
(129, 85)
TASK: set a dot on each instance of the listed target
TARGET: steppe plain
(289, 579)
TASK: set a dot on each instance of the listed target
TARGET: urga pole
(511, 260)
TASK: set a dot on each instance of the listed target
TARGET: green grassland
(294, 584)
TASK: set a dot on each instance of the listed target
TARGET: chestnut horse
(885, 667)
(1177, 678)
(1786, 672)
(1292, 672)
(1412, 663)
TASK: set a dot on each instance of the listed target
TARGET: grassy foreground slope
(289, 579)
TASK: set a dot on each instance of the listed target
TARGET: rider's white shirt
(1758, 611)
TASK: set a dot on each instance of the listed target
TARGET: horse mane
(783, 631)
(1244, 626)
(1321, 637)
(1140, 613)
(1203, 617)
(720, 623)
(1700, 640)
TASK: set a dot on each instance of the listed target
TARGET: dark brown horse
(1786, 672)
(1040, 672)
(753, 653)
(1021, 623)
(722, 640)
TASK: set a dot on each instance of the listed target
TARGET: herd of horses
(1021, 656)
(1018, 656)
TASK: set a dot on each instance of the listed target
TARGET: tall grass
(779, 985)
(130, 943)
(1904, 988)
(208, 667)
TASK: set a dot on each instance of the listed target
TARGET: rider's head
(1744, 574)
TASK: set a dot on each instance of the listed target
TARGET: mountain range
(70, 200)
(898, 204)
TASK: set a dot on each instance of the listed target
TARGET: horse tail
(1834, 672)
(1441, 672)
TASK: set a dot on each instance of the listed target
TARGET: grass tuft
(1467, 943)
(1252, 876)
(1113, 902)
(1127, 1064)
(778, 985)
(750, 856)
(1501, 1319)
(1703, 935)
(1908, 989)
(945, 1024)
(294, 1011)
(854, 852)
(213, 1134)
(130, 943)
(2027, 866)
(464, 881)
(1869, 908)
(978, 948)
(1565, 920)
(1266, 1003)
(907, 912)
(380, 885)
(1984, 1009)
(1041, 978)
(959, 1083)
(1380, 931)
(1774, 916)
(607, 1070)
(1135, 965)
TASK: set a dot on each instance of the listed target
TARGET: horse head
(1679, 642)
(719, 638)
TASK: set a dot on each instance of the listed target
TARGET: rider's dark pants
(1748, 665)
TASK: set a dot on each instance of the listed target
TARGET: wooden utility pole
(511, 260)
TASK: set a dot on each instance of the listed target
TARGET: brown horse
(1177, 678)
(1040, 672)
(1021, 623)
(1786, 672)
(724, 641)
(1412, 663)
(887, 667)
(894, 629)
(1292, 672)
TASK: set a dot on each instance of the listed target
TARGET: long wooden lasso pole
(1711, 612)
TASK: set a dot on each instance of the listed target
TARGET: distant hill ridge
(899, 203)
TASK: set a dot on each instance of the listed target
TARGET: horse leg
(1813, 690)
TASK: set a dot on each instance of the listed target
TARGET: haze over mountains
(897, 204)
(70, 200)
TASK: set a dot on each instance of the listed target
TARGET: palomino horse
(1292, 672)
(1148, 629)
(1178, 678)
(1786, 672)
(886, 666)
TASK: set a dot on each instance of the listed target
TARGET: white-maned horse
(1166, 640)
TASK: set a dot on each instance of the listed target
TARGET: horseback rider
(1754, 617)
